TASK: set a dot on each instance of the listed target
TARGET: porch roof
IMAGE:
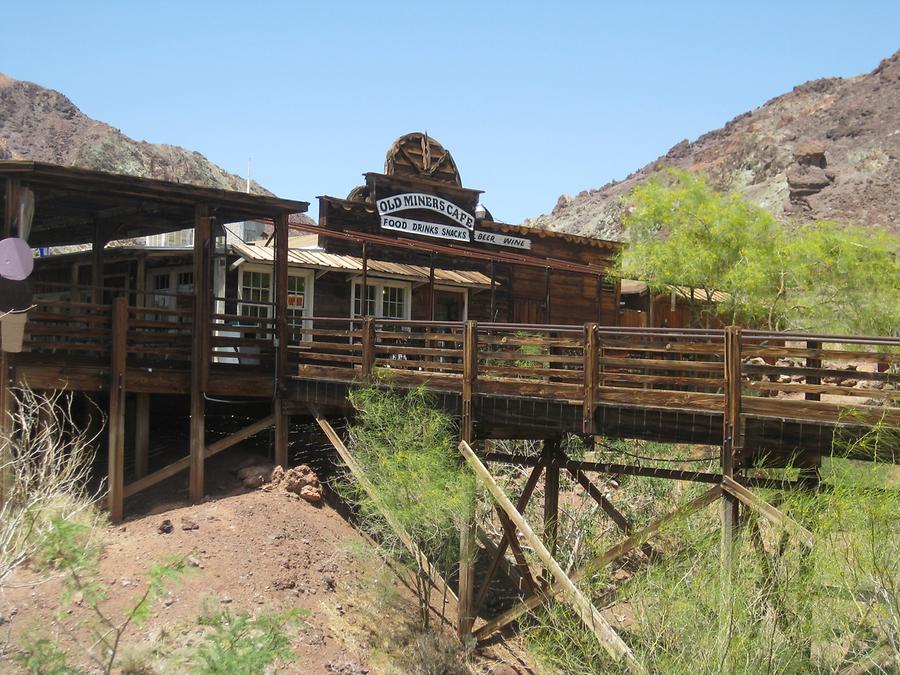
(315, 258)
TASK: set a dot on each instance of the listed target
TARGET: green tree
(846, 280)
(820, 276)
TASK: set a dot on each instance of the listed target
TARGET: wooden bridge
(776, 396)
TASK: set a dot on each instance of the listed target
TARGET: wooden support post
(199, 351)
(116, 431)
(493, 292)
(431, 288)
(368, 347)
(140, 282)
(97, 245)
(282, 421)
(551, 497)
(592, 618)
(364, 285)
(509, 531)
(470, 380)
(599, 299)
(598, 562)
(282, 431)
(465, 605)
(813, 363)
(141, 435)
(731, 441)
(522, 502)
(768, 511)
(591, 378)
(547, 298)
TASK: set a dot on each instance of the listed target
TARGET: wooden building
(417, 212)
(412, 240)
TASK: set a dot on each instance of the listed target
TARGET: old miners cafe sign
(461, 229)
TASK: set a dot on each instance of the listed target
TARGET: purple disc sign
(16, 259)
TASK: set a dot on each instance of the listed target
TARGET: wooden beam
(509, 531)
(592, 618)
(615, 515)
(466, 603)
(508, 569)
(591, 377)
(200, 350)
(731, 435)
(522, 502)
(238, 436)
(391, 520)
(364, 284)
(768, 511)
(547, 297)
(594, 564)
(97, 245)
(551, 496)
(116, 431)
(282, 421)
(157, 476)
(141, 434)
(431, 287)
(368, 346)
(10, 206)
(493, 292)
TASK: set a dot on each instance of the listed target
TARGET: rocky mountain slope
(828, 149)
(44, 125)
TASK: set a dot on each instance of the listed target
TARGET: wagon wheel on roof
(420, 156)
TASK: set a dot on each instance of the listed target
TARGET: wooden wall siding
(520, 294)
(332, 295)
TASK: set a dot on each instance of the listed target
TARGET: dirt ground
(251, 551)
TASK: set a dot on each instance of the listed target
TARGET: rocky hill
(44, 125)
(828, 149)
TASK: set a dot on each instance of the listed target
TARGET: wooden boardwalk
(787, 393)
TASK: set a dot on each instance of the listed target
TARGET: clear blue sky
(533, 99)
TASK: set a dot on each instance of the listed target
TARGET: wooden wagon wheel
(421, 156)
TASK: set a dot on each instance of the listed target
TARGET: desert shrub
(71, 550)
(45, 464)
(781, 608)
(407, 449)
(239, 642)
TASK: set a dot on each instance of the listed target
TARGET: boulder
(303, 481)
(810, 153)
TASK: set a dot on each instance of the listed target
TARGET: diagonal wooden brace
(586, 611)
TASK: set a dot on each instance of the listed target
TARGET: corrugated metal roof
(318, 259)
(631, 286)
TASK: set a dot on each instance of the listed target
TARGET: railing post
(116, 431)
(591, 377)
(732, 441)
(368, 347)
(470, 379)
(813, 362)
(466, 591)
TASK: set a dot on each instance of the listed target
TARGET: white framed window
(256, 291)
(164, 284)
(385, 299)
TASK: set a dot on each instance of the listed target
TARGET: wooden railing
(801, 376)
